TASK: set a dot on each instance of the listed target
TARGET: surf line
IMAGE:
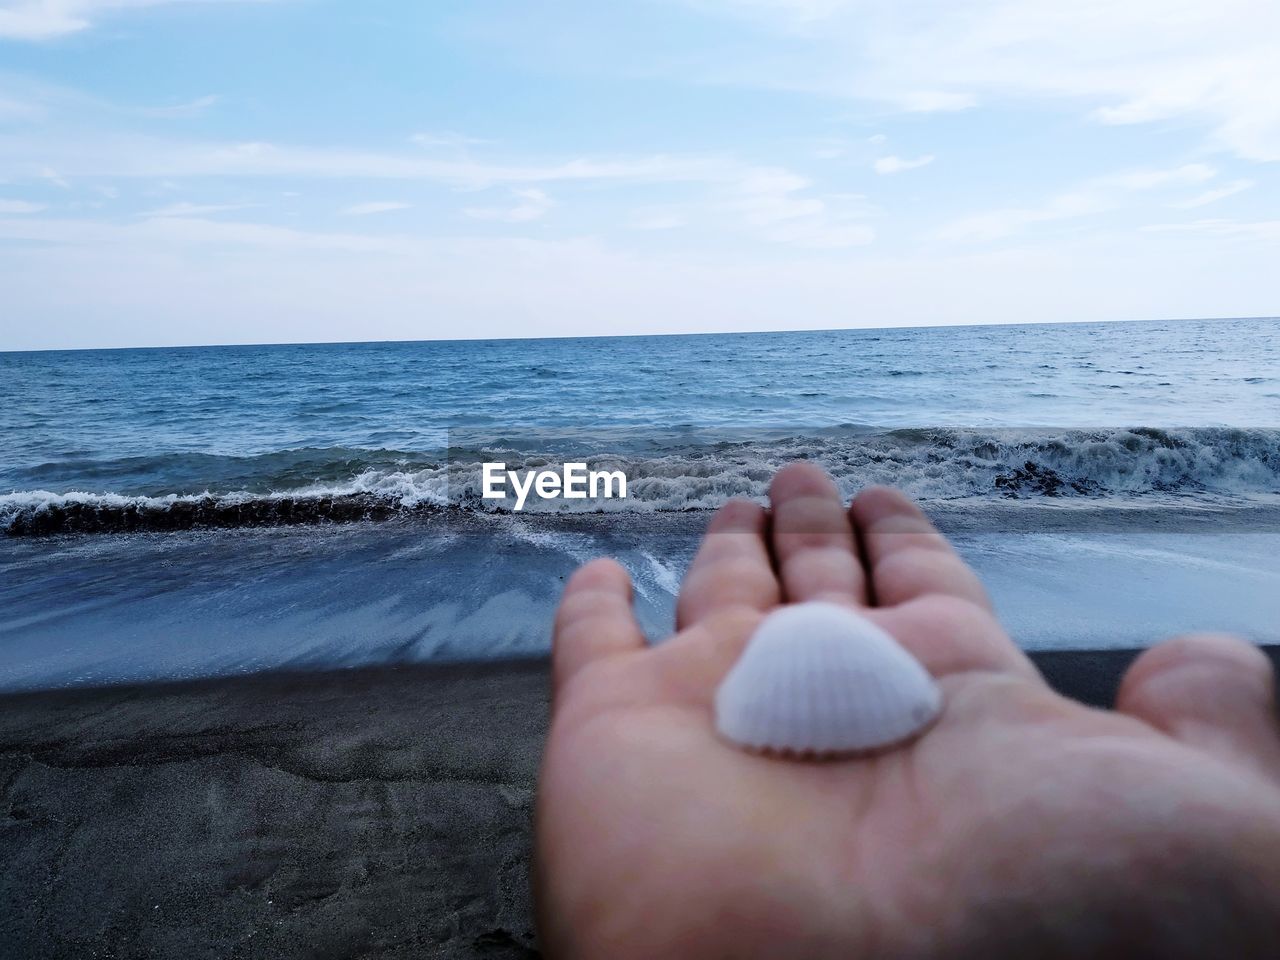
(572, 482)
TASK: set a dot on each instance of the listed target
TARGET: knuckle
(733, 572)
(814, 537)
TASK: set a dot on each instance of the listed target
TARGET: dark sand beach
(377, 812)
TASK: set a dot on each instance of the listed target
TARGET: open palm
(1021, 824)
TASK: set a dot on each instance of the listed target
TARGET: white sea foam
(931, 465)
(927, 464)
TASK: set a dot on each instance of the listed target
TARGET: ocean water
(179, 512)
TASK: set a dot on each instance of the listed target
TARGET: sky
(243, 171)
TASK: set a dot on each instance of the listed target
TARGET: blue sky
(230, 171)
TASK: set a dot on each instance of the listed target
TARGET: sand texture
(380, 812)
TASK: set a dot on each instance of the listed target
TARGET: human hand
(1021, 824)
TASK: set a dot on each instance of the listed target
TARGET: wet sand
(141, 607)
(376, 812)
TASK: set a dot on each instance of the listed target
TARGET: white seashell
(819, 679)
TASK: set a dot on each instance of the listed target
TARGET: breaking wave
(929, 464)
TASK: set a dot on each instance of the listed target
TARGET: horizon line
(617, 336)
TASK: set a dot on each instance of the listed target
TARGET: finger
(949, 635)
(1212, 691)
(907, 557)
(732, 567)
(594, 620)
(813, 540)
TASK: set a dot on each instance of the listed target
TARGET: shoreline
(374, 812)
(84, 610)
(1003, 510)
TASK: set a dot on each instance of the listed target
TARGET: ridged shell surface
(820, 679)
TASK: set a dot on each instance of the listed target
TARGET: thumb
(1211, 691)
(594, 620)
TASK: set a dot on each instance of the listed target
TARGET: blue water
(377, 419)
(195, 493)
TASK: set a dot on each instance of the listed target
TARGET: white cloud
(1213, 196)
(39, 19)
(173, 233)
(935, 101)
(446, 138)
(777, 204)
(1212, 62)
(780, 207)
(999, 224)
(1266, 230)
(19, 206)
(12, 109)
(180, 111)
(657, 219)
(310, 284)
(530, 204)
(1095, 196)
(192, 209)
(823, 235)
(1188, 173)
(772, 205)
(770, 196)
(50, 175)
(375, 206)
(49, 19)
(797, 13)
(126, 155)
(763, 203)
(887, 165)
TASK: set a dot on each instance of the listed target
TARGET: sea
(187, 512)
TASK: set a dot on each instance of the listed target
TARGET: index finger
(732, 567)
